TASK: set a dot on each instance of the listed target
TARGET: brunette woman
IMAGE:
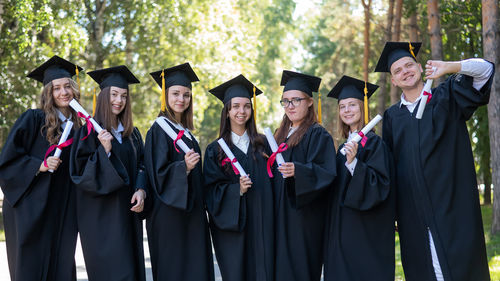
(302, 182)
(360, 232)
(240, 208)
(179, 241)
(108, 171)
(38, 210)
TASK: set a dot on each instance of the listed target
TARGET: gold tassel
(254, 106)
(411, 51)
(163, 98)
(77, 78)
(94, 103)
(366, 104)
(319, 107)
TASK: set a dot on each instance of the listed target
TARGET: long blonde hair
(52, 122)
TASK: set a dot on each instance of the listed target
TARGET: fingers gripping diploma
(287, 169)
(105, 138)
(351, 149)
(191, 158)
(245, 184)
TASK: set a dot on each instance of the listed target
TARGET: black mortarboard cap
(118, 76)
(349, 87)
(55, 68)
(393, 51)
(298, 81)
(239, 86)
(181, 74)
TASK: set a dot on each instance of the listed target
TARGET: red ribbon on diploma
(429, 98)
(272, 158)
(54, 146)
(179, 136)
(227, 160)
(363, 139)
(90, 127)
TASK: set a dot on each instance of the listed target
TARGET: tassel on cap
(163, 97)
(319, 107)
(366, 104)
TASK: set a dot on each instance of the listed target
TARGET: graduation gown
(361, 215)
(242, 227)
(38, 208)
(436, 183)
(110, 233)
(300, 206)
(178, 236)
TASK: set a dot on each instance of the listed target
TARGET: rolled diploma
(273, 145)
(78, 108)
(63, 138)
(365, 130)
(230, 155)
(423, 98)
(172, 134)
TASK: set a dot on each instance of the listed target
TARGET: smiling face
(178, 98)
(350, 112)
(62, 92)
(296, 114)
(240, 112)
(406, 73)
(117, 99)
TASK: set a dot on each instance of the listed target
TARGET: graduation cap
(393, 51)
(117, 76)
(349, 87)
(54, 68)
(302, 82)
(181, 74)
(239, 86)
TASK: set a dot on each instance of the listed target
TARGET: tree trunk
(491, 38)
(414, 28)
(395, 37)
(382, 81)
(435, 33)
(96, 28)
(366, 7)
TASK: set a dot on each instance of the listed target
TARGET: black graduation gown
(300, 206)
(110, 233)
(362, 208)
(436, 183)
(38, 210)
(242, 227)
(178, 236)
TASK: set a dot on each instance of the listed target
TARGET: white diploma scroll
(424, 98)
(78, 108)
(64, 137)
(171, 133)
(273, 145)
(230, 155)
(365, 130)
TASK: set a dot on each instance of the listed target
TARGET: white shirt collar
(407, 103)
(117, 133)
(242, 142)
(63, 118)
(291, 131)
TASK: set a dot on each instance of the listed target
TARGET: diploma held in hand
(274, 148)
(78, 108)
(64, 137)
(424, 97)
(171, 133)
(365, 130)
(230, 155)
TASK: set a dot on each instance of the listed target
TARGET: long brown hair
(104, 115)
(343, 129)
(256, 140)
(186, 116)
(48, 105)
(282, 132)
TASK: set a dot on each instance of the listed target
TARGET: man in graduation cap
(439, 218)
(240, 208)
(362, 205)
(302, 182)
(38, 210)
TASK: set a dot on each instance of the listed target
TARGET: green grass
(492, 248)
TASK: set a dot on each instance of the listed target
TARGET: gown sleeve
(371, 182)
(224, 203)
(18, 168)
(92, 170)
(167, 176)
(142, 178)
(318, 170)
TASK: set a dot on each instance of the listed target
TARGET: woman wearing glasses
(302, 182)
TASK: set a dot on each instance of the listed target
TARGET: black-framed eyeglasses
(294, 101)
